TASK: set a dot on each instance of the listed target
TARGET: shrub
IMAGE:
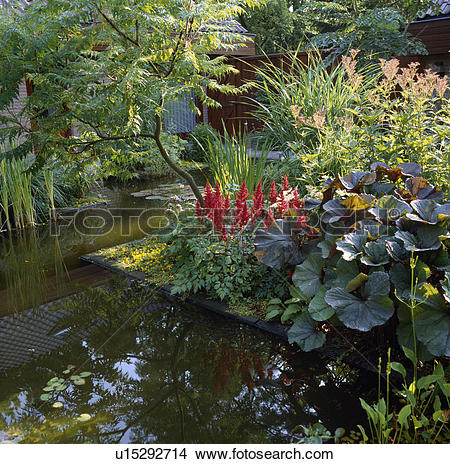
(147, 161)
(360, 273)
(346, 118)
(198, 143)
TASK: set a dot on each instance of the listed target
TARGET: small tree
(108, 69)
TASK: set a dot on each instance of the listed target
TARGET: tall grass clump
(320, 91)
(26, 197)
(233, 160)
(332, 120)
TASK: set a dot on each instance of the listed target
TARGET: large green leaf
(345, 272)
(352, 245)
(432, 322)
(275, 247)
(427, 238)
(401, 278)
(396, 249)
(305, 334)
(363, 313)
(308, 275)
(429, 211)
(375, 253)
(318, 308)
(357, 179)
(446, 287)
(389, 208)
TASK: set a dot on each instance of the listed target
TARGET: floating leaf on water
(83, 417)
(85, 374)
(49, 388)
(61, 387)
(67, 371)
(53, 380)
(79, 382)
(45, 397)
(57, 404)
(75, 377)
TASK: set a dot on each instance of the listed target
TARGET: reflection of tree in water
(177, 375)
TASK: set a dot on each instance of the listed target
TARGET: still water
(120, 364)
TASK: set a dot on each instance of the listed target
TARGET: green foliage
(424, 416)
(377, 28)
(231, 162)
(126, 164)
(360, 274)
(107, 71)
(28, 197)
(330, 122)
(226, 271)
(273, 25)
(198, 143)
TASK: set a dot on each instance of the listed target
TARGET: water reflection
(171, 374)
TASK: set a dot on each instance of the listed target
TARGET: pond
(120, 364)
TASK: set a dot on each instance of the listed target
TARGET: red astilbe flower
(258, 203)
(273, 193)
(286, 186)
(283, 205)
(200, 213)
(296, 203)
(241, 210)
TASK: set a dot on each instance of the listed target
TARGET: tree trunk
(174, 166)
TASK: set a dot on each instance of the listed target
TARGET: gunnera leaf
(374, 308)
(327, 246)
(305, 334)
(318, 308)
(308, 275)
(352, 245)
(389, 208)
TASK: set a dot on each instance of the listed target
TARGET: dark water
(160, 371)
(165, 374)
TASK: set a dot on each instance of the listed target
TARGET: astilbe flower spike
(273, 193)
(258, 203)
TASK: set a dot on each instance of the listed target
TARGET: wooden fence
(235, 110)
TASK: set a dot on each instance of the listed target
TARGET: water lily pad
(79, 382)
(305, 334)
(75, 377)
(67, 371)
(307, 276)
(57, 404)
(53, 380)
(49, 388)
(84, 417)
(61, 387)
(85, 374)
(45, 397)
